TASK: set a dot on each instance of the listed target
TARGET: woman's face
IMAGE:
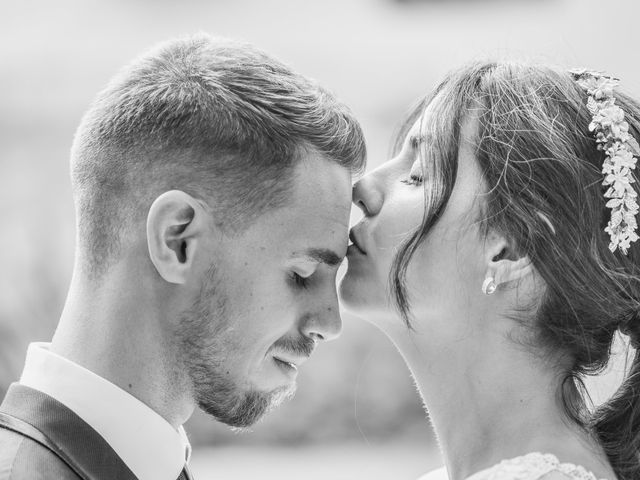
(445, 276)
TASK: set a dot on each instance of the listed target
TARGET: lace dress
(533, 466)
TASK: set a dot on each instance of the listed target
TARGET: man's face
(268, 298)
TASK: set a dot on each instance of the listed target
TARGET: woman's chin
(349, 295)
(359, 299)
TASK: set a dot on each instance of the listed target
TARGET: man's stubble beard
(203, 350)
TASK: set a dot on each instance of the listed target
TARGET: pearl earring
(489, 286)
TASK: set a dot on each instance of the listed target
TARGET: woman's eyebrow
(415, 141)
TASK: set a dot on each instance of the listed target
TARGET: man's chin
(245, 409)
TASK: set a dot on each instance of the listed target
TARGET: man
(212, 188)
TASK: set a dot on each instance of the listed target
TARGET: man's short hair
(218, 119)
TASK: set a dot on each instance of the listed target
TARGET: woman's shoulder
(533, 466)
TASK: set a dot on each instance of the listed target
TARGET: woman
(483, 256)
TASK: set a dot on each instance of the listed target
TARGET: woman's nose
(368, 195)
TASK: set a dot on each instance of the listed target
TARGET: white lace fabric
(533, 466)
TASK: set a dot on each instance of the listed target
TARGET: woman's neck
(490, 399)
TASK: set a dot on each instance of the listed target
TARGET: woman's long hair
(543, 175)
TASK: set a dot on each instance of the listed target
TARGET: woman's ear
(504, 263)
(176, 223)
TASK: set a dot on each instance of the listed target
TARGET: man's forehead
(311, 226)
(322, 183)
(315, 221)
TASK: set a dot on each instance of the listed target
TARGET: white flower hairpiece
(612, 136)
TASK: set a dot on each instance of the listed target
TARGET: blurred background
(356, 414)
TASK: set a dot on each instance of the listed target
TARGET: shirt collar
(146, 442)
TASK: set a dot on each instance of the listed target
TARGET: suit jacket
(22, 458)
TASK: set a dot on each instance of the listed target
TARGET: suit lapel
(64, 428)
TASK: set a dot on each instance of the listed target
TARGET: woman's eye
(413, 180)
(415, 174)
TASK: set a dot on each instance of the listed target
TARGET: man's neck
(110, 332)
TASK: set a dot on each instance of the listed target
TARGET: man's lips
(290, 353)
(289, 360)
(282, 362)
(354, 241)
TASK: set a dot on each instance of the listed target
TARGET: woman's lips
(355, 244)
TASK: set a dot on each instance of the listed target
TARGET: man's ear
(504, 263)
(175, 225)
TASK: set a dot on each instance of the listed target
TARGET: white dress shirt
(146, 442)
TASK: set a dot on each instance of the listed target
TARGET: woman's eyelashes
(415, 175)
(412, 180)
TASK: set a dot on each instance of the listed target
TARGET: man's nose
(367, 195)
(324, 324)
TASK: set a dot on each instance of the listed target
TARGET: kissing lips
(355, 243)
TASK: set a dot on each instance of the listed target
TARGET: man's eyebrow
(321, 255)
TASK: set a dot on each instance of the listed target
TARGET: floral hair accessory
(612, 136)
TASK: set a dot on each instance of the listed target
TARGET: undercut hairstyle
(215, 118)
(542, 171)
